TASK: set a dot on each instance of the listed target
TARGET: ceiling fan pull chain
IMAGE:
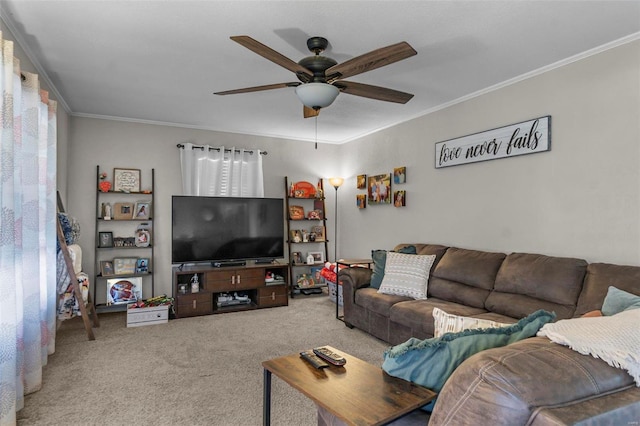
(316, 132)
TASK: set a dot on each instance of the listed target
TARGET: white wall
(581, 199)
(112, 144)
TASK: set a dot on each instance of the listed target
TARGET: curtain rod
(211, 148)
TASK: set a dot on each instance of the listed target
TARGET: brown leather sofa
(532, 382)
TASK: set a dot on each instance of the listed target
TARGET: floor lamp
(336, 182)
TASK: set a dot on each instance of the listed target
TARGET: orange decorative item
(104, 186)
(304, 189)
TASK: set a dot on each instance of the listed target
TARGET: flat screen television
(224, 229)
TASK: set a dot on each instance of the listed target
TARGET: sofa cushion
(465, 276)
(528, 282)
(418, 314)
(617, 301)
(406, 275)
(370, 299)
(449, 323)
(602, 275)
(379, 258)
(430, 362)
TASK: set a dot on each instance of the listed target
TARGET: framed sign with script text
(527, 137)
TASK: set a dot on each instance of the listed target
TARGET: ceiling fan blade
(258, 88)
(310, 112)
(370, 61)
(273, 56)
(373, 92)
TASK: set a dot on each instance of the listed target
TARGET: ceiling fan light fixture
(317, 95)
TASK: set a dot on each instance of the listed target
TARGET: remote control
(313, 359)
(332, 357)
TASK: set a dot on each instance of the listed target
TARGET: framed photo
(399, 175)
(124, 265)
(295, 236)
(315, 215)
(142, 265)
(105, 239)
(361, 182)
(399, 198)
(379, 189)
(361, 201)
(142, 210)
(296, 258)
(106, 268)
(143, 238)
(316, 275)
(122, 211)
(305, 281)
(318, 256)
(126, 180)
(296, 212)
(319, 232)
(124, 290)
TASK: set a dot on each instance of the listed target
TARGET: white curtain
(27, 233)
(220, 171)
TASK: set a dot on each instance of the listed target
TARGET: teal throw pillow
(618, 300)
(379, 258)
(430, 362)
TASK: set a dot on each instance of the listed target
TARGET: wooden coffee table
(358, 393)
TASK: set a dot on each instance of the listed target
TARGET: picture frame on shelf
(143, 238)
(123, 211)
(142, 265)
(305, 281)
(315, 215)
(142, 210)
(126, 180)
(124, 265)
(295, 236)
(124, 290)
(106, 268)
(320, 233)
(318, 256)
(296, 212)
(296, 257)
(105, 239)
(316, 275)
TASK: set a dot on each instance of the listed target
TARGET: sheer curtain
(27, 233)
(220, 171)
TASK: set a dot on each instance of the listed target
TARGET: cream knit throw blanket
(614, 339)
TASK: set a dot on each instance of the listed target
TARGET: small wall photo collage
(379, 189)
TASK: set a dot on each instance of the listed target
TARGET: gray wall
(112, 144)
(581, 199)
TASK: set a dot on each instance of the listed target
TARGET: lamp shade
(317, 95)
(336, 182)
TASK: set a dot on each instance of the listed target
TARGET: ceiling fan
(321, 77)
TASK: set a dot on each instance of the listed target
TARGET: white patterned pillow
(449, 323)
(406, 275)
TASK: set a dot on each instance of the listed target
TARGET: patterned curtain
(27, 233)
(216, 171)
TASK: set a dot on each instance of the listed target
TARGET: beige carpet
(193, 371)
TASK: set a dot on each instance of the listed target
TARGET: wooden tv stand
(246, 280)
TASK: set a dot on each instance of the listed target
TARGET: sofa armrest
(352, 279)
